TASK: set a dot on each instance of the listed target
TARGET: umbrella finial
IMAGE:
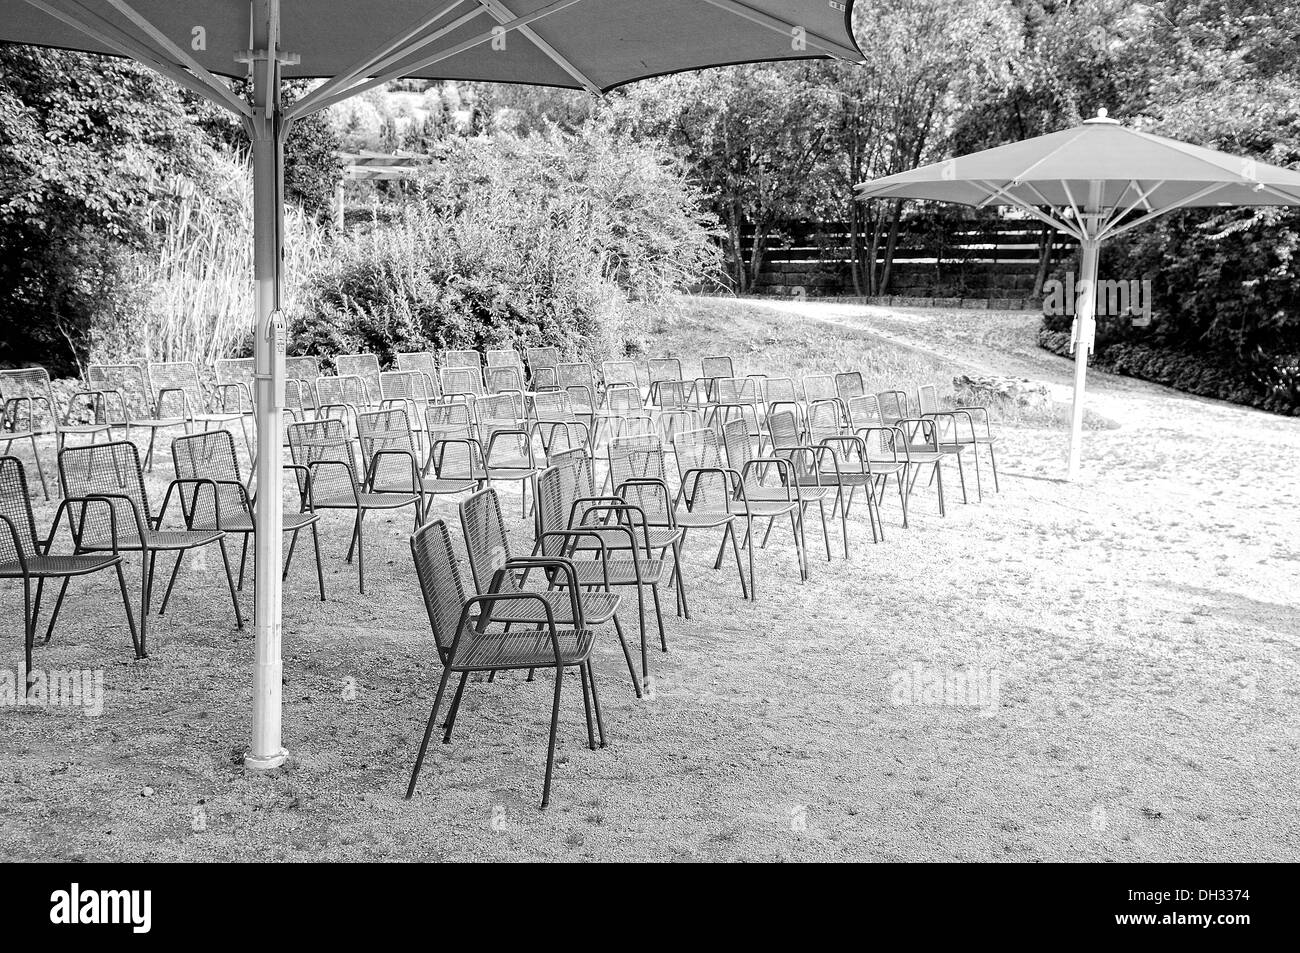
(1103, 116)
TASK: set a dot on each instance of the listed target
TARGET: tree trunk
(890, 245)
(1045, 243)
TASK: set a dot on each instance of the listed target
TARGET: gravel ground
(1119, 658)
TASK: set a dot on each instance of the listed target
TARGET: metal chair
(136, 406)
(30, 411)
(467, 641)
(211, 456)
(25, 556)
(761, 488)
(111, 472)
(176, 384)
(329, 479)
(300, 375)
(424, 364)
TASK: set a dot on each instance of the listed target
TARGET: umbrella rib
(554, 7)
(1043, 158)
(195, 67)
(1114, 229)
(1029, 207)
(782, 26)
(114, 37)
(384, 55)
(502, 14)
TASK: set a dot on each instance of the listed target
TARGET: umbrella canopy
(1094, 181)
(584, 44)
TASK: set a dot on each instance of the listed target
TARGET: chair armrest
(485, 617)
(574, 534)
(352, 478)
(786, 469)
(187, 512)
(186, 411)
(17, 539)
(107, 499)
(653, 483)
(631, 533)
(417, 484)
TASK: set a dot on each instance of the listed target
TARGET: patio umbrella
(594, 45)
(1095, 181)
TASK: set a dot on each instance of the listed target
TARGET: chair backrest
(316, 441)
(619, 373)
(736, 438)
(108, 469)
(422, 362)
(695, 449)
(454, 358)
(452, 421)
(539, 357)
(557, 489)
(16, 507)
(486, 541)
(388, 429)
(440, 581)
(208, 455)
(737, 390)
(893, 406)
(623, 400)
(818, 387)
(505, 357)
(406, 385)
(166, 378)
(664, 369)
(553, 405)
(928, 396)
(545, 378)
(28, 400)
(241, 372)
(641, 461)
(783, 426)
(717, 366)
(503, 377)
(364, 366)
(462, 379)
(849, 384)
(300, 374)
(824, 420)
(780, 390)
(128, 380)
(864, 411)
(345, 391)
(576, 374)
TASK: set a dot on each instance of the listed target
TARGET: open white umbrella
(583, 44)
(1094, 181)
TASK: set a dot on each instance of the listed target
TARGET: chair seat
(59, 565)
(622, 572)
(660, 538)
(158, 422)
(597, 608)
(511, 473)
(763, 508)
(241, 522)
(924, 457)
(367, 501)
(224, 418)
(157, 539)
(520, 648)
(808, 490)
(86, 428)
(437, 486)
(703, 519)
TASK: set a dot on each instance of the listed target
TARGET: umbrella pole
(1085, 324)
(269, 348)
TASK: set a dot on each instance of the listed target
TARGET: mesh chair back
(316, 441)
(849, 384)
(406, 385)
(578, 374)
(864, 411)
(16, 506)
(485, 539)
(440, 580)
(421, 362)
(892, 406)
(642, 463)
(502, 378)
(696, 449)
(545, 378)
(128, 380)
(740, 448)
(452, 421)
(674, 395)
(619, 373)
(454, 358)
(241, 372)
(505, 357)
(780, 390)
(335, 392)
(300, 374)
(168, 377)
(28, 400)
(461, 379)
(928, 397)
(718, 366)
(388, 429)
(819, 387)
(783, 426)
(539, 357)
(209, 455)
(109, 469)
(624, 401)
(823, 420)
(364, 366)
(557, 489)
(738, 390)
(664, 369)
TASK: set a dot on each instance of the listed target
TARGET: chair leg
(640, 613)
(230, 581)
(361, 551)
(826, 536)
(586, 706)
(428, 730)
(45, 487)
(130, 620)
(749, 532)
(902, 497)
(146, 593)
(29, 634)
(595, 702)
(979, 483)
(320, 571)
(555, 723)
(627, 656)
(288, 557)
(243, 560)
(735, 549)
(659, 615)
(681, 580)
(455, 709)
(148, 457)
(58, 603)
(180, 554)
(961, 475)
(994, 462)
